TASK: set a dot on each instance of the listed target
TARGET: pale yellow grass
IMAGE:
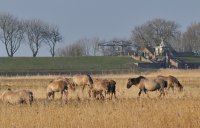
(179, 110)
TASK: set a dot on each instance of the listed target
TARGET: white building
(160, 50)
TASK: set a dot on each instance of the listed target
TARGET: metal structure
(117, 47)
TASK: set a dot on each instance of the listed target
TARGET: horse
(17, 97)
(102, 87)
(145, 85)
(111, 89)
(61, 85)
(83, 81)
(171, 81)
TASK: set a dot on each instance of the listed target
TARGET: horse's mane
(138, 79)
(142, 77)
(163, 77)
(90, 79)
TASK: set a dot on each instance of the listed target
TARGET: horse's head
(134, 81)
(70, 83)
(180, 88)
(131, 81)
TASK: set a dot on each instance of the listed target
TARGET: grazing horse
(145, 85)
(171, 80)
(17, 97)
(83, 81)
(103, 87)
(59, 85)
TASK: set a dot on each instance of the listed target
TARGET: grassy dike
(48, 64)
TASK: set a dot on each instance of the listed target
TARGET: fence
(114, 71)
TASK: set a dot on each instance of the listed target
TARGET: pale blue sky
(105, 19)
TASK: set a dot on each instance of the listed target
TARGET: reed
(174, 110)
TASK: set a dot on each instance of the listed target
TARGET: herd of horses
(97, 88)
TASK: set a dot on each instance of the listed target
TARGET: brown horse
(17, 97)
(103, 87)
(111, 89)
(83, 81)
(61, 85)
(145, 85)
(171, 81)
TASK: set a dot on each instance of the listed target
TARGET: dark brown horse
(145, 85)
(171, 82)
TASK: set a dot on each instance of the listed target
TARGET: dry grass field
(175, 110)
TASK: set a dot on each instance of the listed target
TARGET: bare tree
(152, 32)
(52, 36)
(35, 31)
(176, 42)
(75, 49)
(141, 35)
(90, 46)
(11, 33)
(191, 38)
(86, 45)
(94, 45)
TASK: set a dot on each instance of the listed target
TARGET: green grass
(41, 64)
(190, 59)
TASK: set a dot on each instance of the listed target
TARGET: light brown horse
(171, 82)
(83, 81)
(145, 85)
(61, 85)
(17, 97)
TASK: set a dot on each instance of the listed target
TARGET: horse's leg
(78, 91)
(114, 94)
(172, 89)
(111, 95)
(53, 95)
(162, 91)
(168, 87)
(101, 95)
(83, 91)
(89, 93)
(61, 94)
(140, 92)
(48, 95)
(65, 96)
(105, 92)
(145, 91)
(27, 101)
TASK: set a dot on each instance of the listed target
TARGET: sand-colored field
(175, 110)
